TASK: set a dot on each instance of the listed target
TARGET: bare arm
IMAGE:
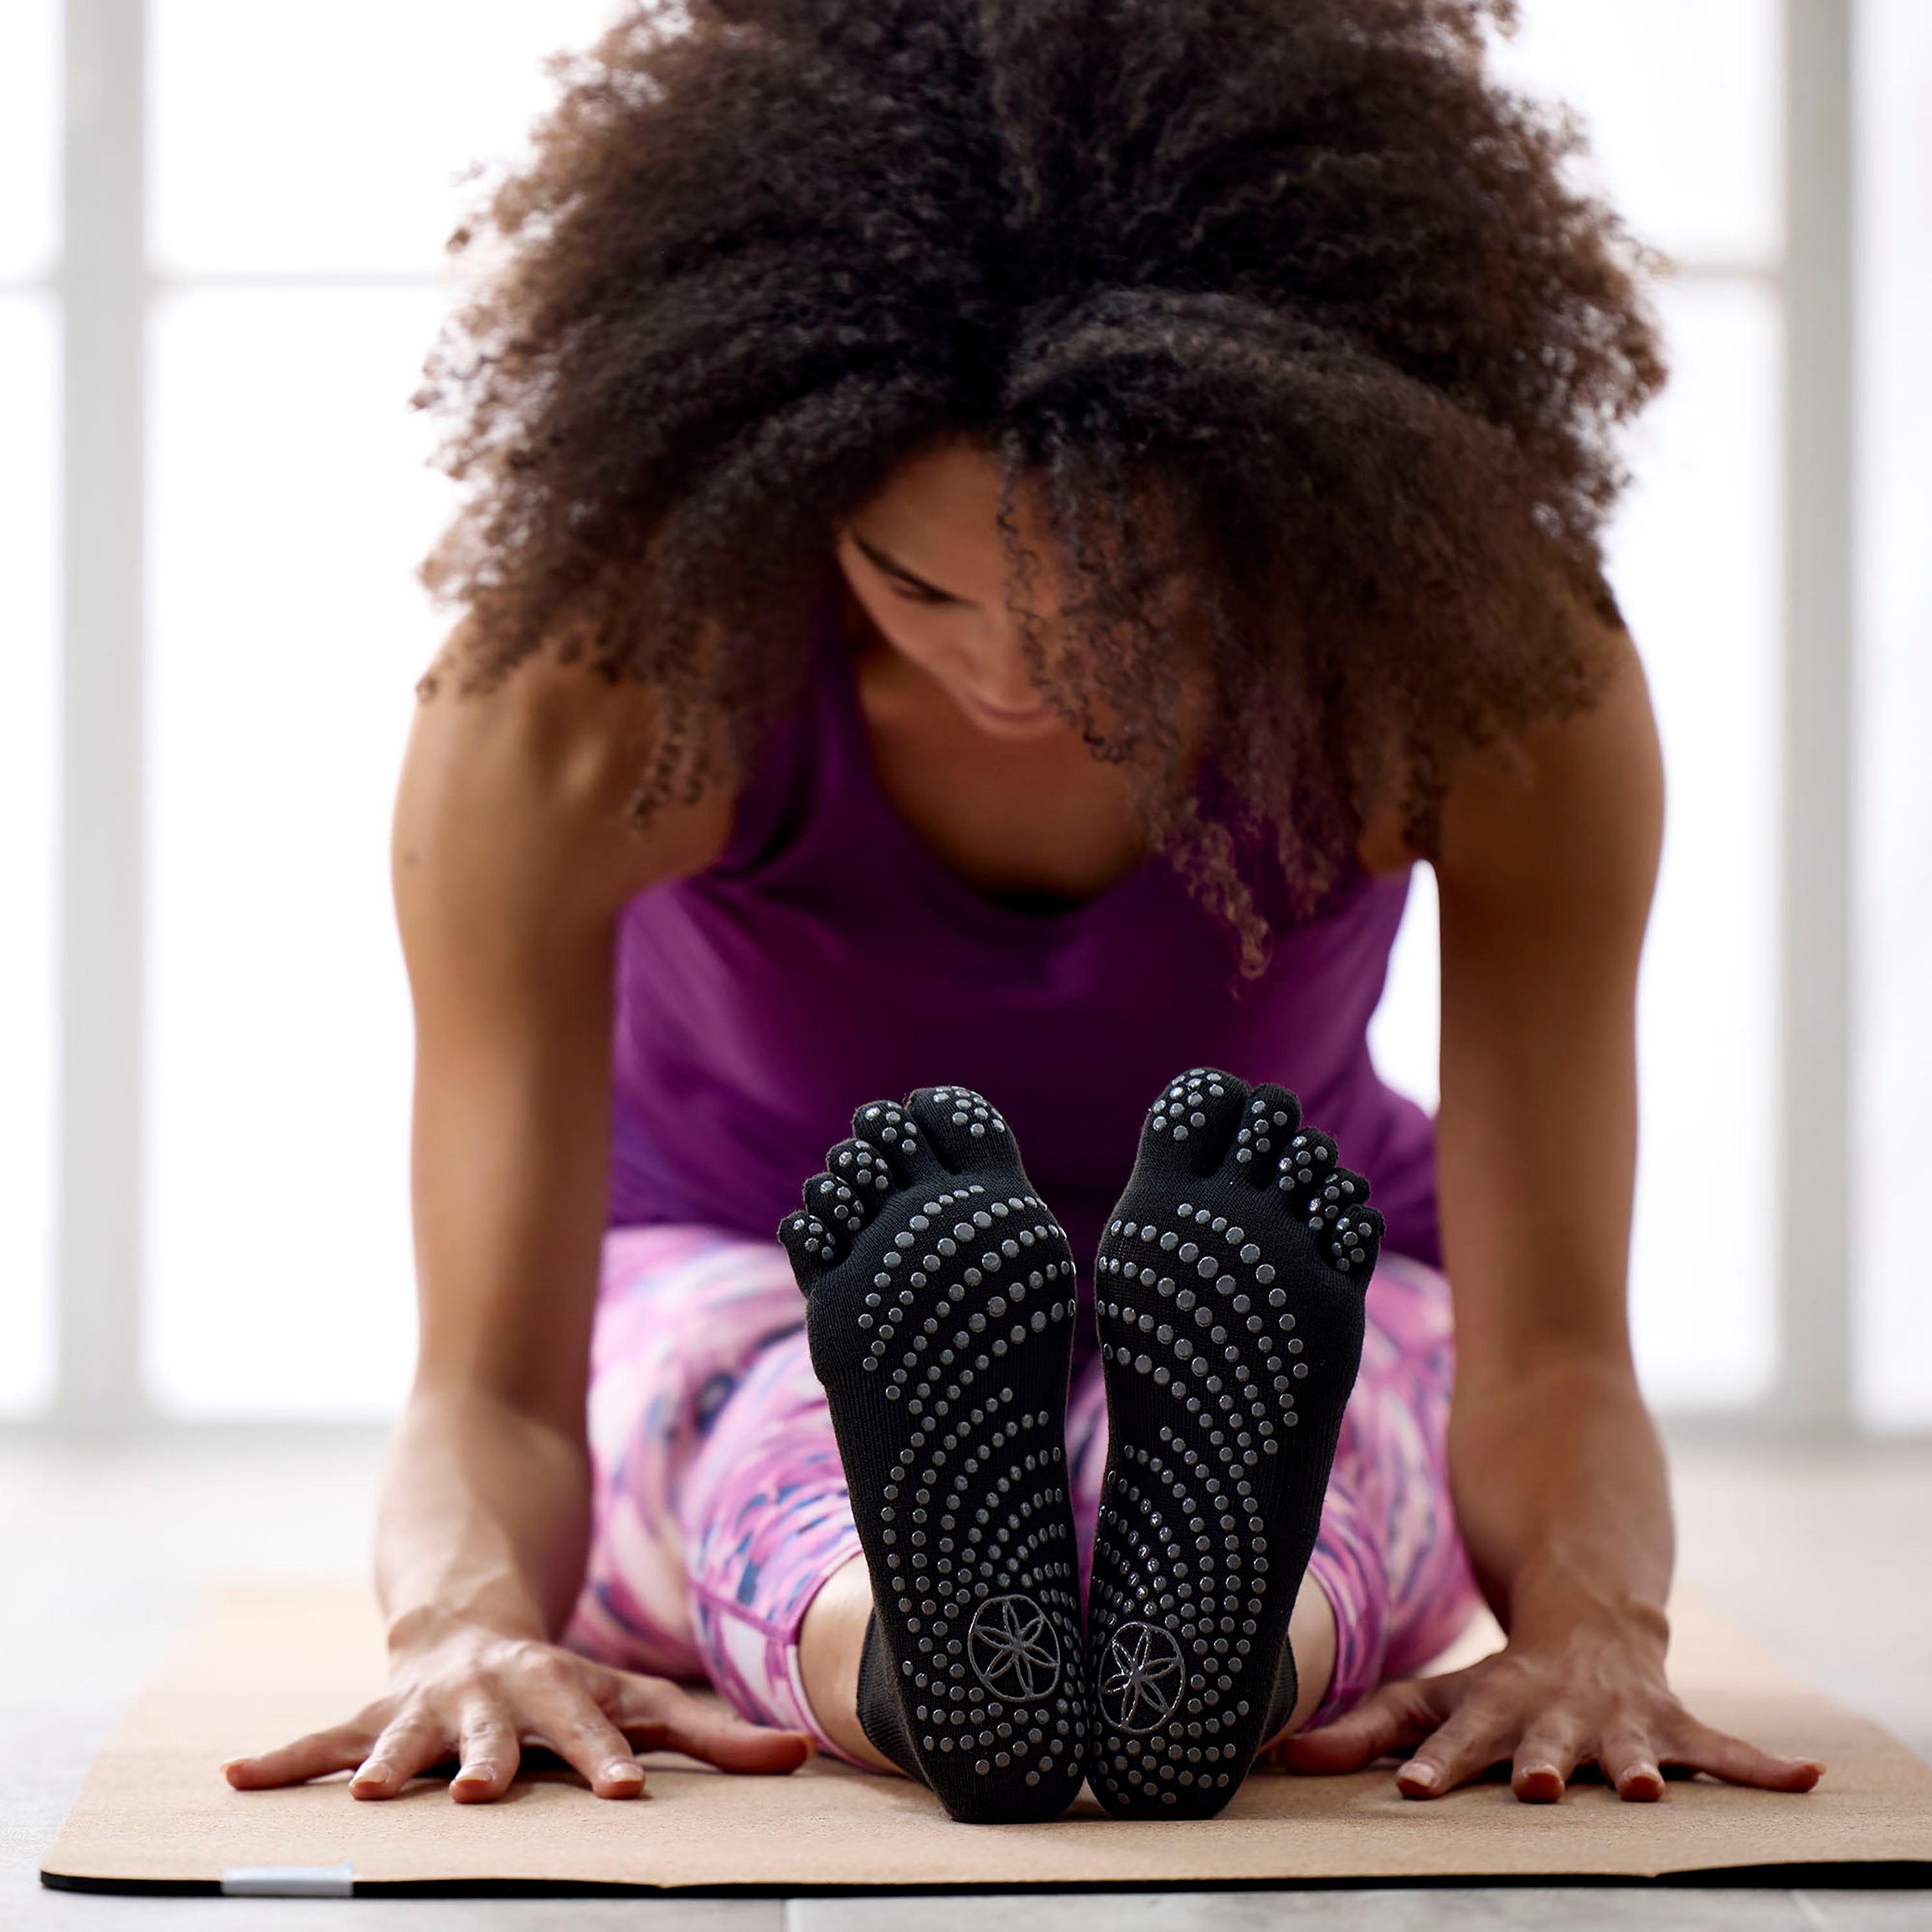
(1557, 1469)
(511, 865)
(1545, 896)
(512, 859)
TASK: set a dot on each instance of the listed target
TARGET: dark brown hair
(1287, 301)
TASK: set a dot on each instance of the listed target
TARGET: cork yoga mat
(264, 1661)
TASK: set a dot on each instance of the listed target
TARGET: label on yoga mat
(289, 1882)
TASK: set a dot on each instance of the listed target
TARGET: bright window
(29, 780)
(289, 503)
(302, 168)
(29, 695)
(30, 88)
(1686, 147)
(354, 170)
(1892, 802)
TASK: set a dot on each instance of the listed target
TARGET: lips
(1007, 717)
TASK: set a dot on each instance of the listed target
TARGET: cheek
(937, 640)
(914, 634)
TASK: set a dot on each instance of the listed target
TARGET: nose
(1001, 676)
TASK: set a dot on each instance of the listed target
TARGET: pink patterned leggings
(720, 1506)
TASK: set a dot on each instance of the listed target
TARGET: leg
(778, 1584)
(683, 1312)
(1389, 1555)
(830, 1642)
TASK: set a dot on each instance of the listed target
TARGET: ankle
(831, 1640)
(1311, 1642)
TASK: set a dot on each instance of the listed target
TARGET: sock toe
(965, 1128)
(1191, 1127)
(1270, 1117)
(890, 1130)
(811, 1245)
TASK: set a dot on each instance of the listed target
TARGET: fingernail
(620, 1769)
(1422, 1774)
(476, 1774)
(372, 1774)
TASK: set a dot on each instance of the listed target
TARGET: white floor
(1824, 1556)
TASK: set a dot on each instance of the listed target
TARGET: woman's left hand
(1545, 1708)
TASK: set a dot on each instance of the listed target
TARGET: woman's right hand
(479, 1696)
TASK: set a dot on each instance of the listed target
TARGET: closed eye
(914, 593)
(914, 590)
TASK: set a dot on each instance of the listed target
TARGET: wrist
(1558, 1606)
(424, 1627)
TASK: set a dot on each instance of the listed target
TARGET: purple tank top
(828, 959)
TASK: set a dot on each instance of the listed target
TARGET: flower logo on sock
(1142, 1681)
(1013, 1649)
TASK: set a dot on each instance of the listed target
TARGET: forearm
(1563, 1498)
(1558, 1472)
(513, 856)
(484, 1519)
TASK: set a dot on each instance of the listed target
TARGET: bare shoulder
(530, 778)
(1566, 787)
(1571, 812)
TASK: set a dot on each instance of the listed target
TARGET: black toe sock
(1229, 1293)
(939, 1312)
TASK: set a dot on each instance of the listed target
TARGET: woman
(1043, 513)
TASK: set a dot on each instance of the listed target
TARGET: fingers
(1449, 1743)
(1698, 1747)
(1467, 1741)
(1458, 1725)
(1545, 1756)
(508, 1694)
(489, 1752)
(1544, 1760)
(662, 1717)
(560, 1712)
(1629, 1762)
(413, 1742)
(318, 1755)
(1394, 1719)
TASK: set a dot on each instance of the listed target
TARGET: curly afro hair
(1289, 302)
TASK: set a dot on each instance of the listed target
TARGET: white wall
(29, 776)
(290, 502)
(1892, 1209)
(1687, 148)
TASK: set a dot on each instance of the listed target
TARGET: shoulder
(1572, 793)
(535, 771)
(1583, 791)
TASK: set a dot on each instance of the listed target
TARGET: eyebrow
(879, 560)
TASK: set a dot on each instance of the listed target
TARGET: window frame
(105, 288)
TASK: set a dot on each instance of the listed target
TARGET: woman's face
(924, 558)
